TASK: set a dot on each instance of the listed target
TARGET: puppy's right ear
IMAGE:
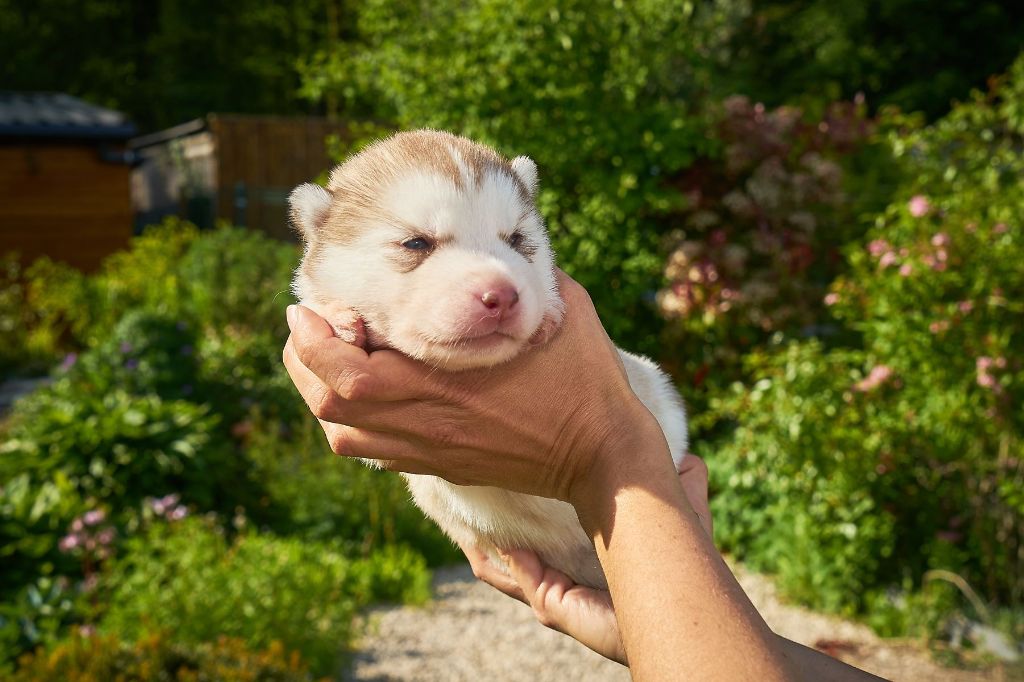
(308, 205)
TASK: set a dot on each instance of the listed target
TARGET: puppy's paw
(346, 322)
(547, 329)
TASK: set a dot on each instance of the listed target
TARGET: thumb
(525, 568)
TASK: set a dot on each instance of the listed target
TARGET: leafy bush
(225, 279)
(876, 464)
(187, 580)
(78, 311)
(328, 498)
(40, 614)
(797, 51)
(116, 447)
(21, 350)
(156, 658)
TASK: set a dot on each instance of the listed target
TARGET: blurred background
(810, 212)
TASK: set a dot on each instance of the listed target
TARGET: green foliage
(168, 64)
(156, 658)
(229, 280)
(237, 278)
(20, 350)
(78, 310)
(918, 56)
(187, 580)
(40, 614)
(854, 472)
(328, 498)
(34, 515)
(599, 94)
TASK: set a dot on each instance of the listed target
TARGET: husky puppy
(433, 245)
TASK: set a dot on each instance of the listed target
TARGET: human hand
(547, 422)
(585, 614)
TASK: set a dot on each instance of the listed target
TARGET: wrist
(635, 459)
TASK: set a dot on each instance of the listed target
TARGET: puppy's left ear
(526, 171)
(308, 205)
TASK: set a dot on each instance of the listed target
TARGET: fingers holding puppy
(347, 369)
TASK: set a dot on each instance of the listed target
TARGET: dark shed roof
(56, 115)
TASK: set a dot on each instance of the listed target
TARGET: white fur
(310, 205)
(423, 311)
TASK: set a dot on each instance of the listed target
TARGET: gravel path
(472, 632)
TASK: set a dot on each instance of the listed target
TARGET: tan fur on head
(473, 213)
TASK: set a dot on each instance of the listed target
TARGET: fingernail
(290, 313)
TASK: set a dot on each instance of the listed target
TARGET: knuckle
(445, 433)
(353, 384)
(325, 404)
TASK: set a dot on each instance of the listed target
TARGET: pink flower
(878, 375)
(106, 536)
(888, 258)
(986, 381)
(984, 363)
(94, 517)
(831, 299)
(940, 326)
(69, 542)
(940, 239)
(877, 247)
(906, 270)
(999, 228)
(164, 504)
(939, 267)
(86, 630)
(178, 513)
(965, 306)
(919, 206)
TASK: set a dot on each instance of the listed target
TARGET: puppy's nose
(500, 299)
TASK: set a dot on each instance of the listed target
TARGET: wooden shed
(238, 168)
(65, 171)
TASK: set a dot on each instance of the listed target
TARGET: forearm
(814, 665)
(698, 622)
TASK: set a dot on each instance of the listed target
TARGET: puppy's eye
(418, 244)
(515, 239)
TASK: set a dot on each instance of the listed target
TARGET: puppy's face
(436, 242)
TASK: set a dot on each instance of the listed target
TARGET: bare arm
(647, 534)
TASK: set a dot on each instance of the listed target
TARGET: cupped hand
(544, 423)
(585, 614)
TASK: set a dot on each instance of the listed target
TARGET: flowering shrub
(758, 242)
(873, 465)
